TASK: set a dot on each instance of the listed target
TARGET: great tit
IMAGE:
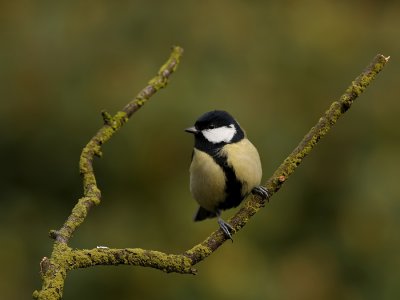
(225, 166)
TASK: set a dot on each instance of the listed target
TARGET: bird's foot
(261, 191)
(226, 228)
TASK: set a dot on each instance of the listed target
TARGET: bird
(225, 167)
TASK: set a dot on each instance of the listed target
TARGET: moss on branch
(63, 258)
(130, 256)
(53, 277)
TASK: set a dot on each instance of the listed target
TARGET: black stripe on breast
(233, 186)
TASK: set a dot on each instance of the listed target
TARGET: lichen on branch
(64, 259)
(54, 273)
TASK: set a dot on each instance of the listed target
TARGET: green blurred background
(332, 232)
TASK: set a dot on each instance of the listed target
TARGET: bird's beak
(192, 130)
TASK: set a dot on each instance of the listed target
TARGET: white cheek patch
(220, 134)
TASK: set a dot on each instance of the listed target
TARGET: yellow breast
(207, 181)
(245, 160)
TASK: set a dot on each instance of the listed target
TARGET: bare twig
(64, 259)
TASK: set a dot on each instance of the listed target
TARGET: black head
(214, 129)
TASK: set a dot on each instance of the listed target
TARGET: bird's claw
(261, 191)
(226, 228)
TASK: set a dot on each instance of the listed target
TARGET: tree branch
(64, 259)
(91, 193)
(289, 165)
(54, 269)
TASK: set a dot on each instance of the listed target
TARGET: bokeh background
(332, 232)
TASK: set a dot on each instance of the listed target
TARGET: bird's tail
(203, 213)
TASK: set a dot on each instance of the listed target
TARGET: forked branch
(64, 258)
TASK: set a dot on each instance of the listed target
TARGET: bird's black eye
(211, 126)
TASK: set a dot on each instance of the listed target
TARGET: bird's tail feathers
(203, 214)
